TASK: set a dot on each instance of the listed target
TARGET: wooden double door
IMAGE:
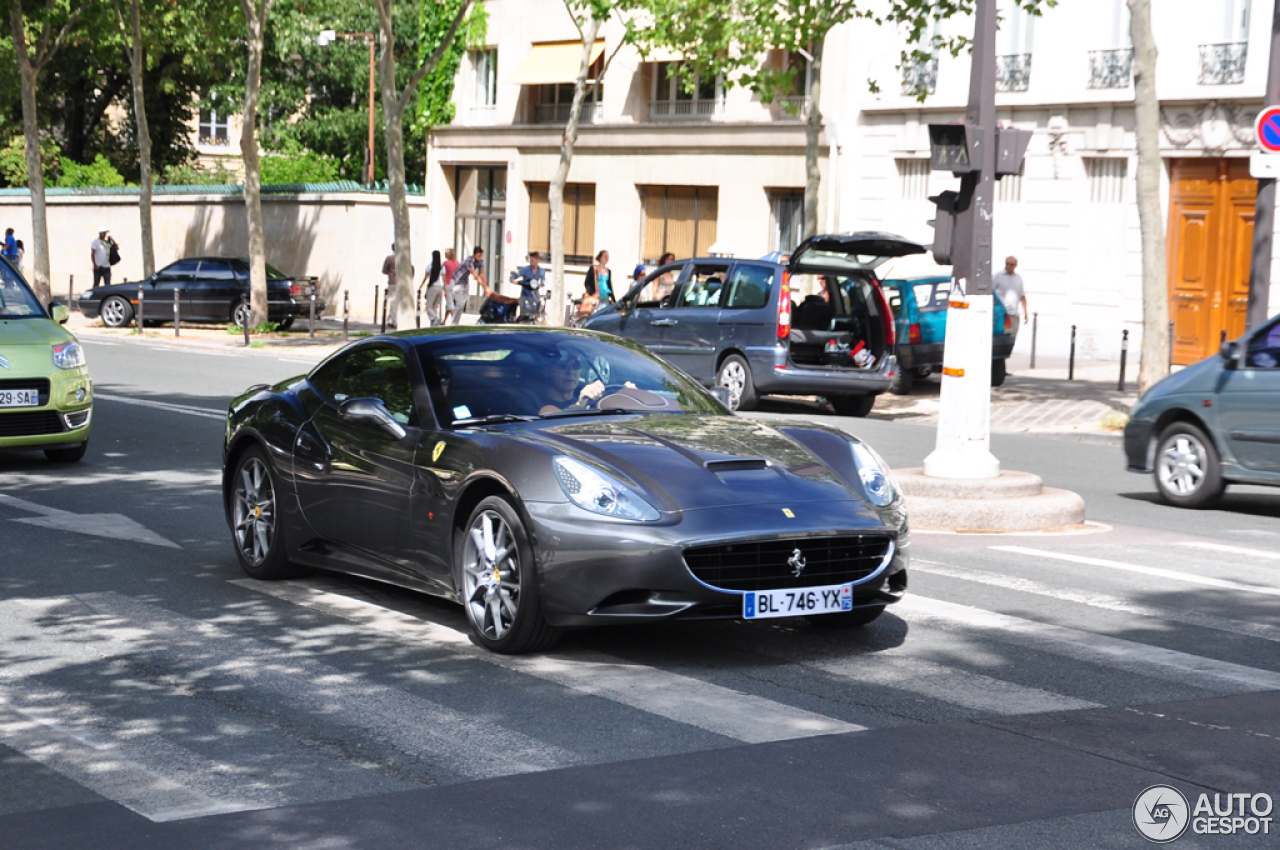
(1211, 210)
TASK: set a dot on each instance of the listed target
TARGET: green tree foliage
(435, 107)
(13, 160)
(189, 174)
(295, 164)
(100, 172)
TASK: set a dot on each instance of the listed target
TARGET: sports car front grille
(30, 424)
(773, 564)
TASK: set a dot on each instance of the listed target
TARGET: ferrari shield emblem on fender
(437, 451)
(786, 512)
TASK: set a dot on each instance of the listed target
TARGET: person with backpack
(104, 253)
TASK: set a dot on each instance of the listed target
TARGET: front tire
(255, 519)
(70, 454)
(116, 311)
(734, 375)
(855, 619)
(285, 323)
(241, 314)
(903, 382)
(1188, 473)
(854, 405)
(498, 583)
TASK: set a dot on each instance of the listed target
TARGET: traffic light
(944, 226)
(1011, 147)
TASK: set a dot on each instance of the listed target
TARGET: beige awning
(558, 62)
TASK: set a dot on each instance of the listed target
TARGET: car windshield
(504, 375)
(17, 301)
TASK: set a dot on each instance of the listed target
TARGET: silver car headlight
(599, 493)
(68, 355)
(875, 475)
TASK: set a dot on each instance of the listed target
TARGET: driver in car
(563, 392)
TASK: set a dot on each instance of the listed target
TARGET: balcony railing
(558, 113)
(1222, 64)
(792, 106)
(1111, 69)
(920, 77)
(483, 116)
(685, 110)
(1013, 72)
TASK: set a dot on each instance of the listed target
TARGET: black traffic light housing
(944, 226)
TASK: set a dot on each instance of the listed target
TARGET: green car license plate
(20, 398)
(759, 604)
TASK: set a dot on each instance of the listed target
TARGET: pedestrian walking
(531, 279)
(472, 266)
(101, 253)
(1007, 286)
(434, 284)
(450, 269)
(19, 254)
(10, 251)
(600, 275)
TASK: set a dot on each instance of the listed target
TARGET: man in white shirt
(1007, 286)
(100, 254)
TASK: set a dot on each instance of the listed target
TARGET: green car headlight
(68, 355)
(599, 493)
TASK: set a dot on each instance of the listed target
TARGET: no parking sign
(1267, 129)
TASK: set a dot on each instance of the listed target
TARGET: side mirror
(721, 395)
(59, 312)
(370, 411)
(1230, 354)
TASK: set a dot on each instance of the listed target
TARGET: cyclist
(532, 278)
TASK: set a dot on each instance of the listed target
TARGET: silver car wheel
(491, 575)
(240, 316)
(114, 313)
(253, 511)
(1181, 466)
(734, 379)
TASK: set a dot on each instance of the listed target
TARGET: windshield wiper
(495, 418)
(596, 411)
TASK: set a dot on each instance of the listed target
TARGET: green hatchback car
(46, 395)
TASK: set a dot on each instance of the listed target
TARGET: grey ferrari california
(549, 479)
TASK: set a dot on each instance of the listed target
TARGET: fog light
(80, 394)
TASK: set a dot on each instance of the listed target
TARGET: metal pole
(141, 296)
(417, 310)
(177, 315)
(1265, 206)
(370, 172)
(1171, 345)
(376, 291)
(384, 312)
(1035, 324)
(71, 291)
(1124, 356)
(1071, 358)
(245, 327)
(313, 312)
(1222, 337)
(346, 313)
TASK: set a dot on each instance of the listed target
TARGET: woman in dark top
(434, 284)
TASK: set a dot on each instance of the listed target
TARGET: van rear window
(749, 287)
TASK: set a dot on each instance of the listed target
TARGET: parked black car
(210, 289)
(819, 325)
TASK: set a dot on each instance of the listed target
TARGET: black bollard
(1071, 358)
(1171, 346)
(71, 292)
(177, 315)
(376, 291)
(384, 314)
(312, 321)
(141, 296)
(346, 313)
(245, 326)
(1035, 325)
(1124, 356)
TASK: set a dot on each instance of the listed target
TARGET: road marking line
(1231, 550)
(1116, 653)
(727, 712)
(162, 405)
(1190, 578)
(1097, 600)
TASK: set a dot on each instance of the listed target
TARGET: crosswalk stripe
(736, 715)
(1190, 578)
(1116, 653)
(1231, 550)
(1097, 600)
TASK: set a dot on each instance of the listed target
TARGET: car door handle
(664, 323)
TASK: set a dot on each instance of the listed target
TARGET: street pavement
(1023, 695)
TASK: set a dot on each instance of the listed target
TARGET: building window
(680, 220)
(786, 207)
(556, 99)
(1013, 47)
(913, 179)
(484, 103)
(671, 101)
(796, 101)
(579, 221)
(1106, 179)
(214, 126)
(1223, 63)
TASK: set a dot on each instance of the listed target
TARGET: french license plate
(758, 604)
(19, 398)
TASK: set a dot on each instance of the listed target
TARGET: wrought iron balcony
(792, 107)
(1222, 64)
(483, 115)
(684, 110)
(1111, 69)
(1013, 72)
(558, 113)
(920, 77)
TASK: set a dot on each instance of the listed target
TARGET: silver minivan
(818, 325)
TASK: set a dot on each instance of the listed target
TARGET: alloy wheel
(491, 575)
(1182, 464)
(240, 316)
(113, 313)
(253, 511)
(733, 378)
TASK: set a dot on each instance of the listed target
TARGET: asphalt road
(1023, 696)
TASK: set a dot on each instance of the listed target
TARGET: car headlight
(594, 491)
(68, 355)
(875, 475)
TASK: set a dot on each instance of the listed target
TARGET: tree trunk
(136, 62)
(393, 116)
(555, 195)
(256, 17)
(35, 169)
(812, 128)
(1155, 284)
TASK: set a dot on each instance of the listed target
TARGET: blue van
(919, 307)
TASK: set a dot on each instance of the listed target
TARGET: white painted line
(1098, 600)
(111, 526)
(1231, 550)
(1116, 653)
(736, 715)
(1190, 578)
(162, 405)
